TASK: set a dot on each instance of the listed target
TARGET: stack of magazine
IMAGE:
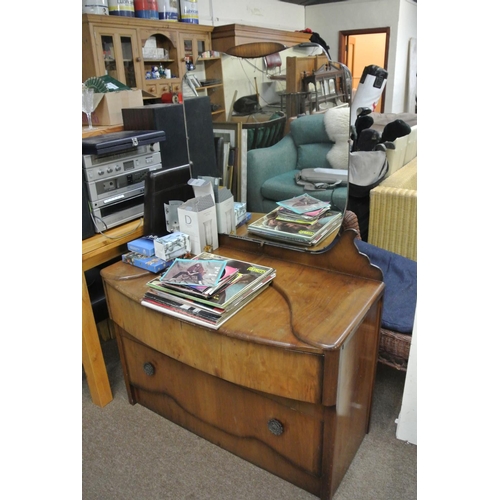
(303, 220)
(207, 289)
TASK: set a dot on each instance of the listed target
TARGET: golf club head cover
(395, 129)
(363, 122)
(368, 139)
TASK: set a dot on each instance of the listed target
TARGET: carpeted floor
(131, 453)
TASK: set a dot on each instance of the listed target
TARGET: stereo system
(114, 172)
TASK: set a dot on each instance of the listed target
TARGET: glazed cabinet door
(118, 55)
(203, 71)
(192, 46)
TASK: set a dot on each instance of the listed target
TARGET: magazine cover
(186, 272)
(270, 226)
(306, 218)
(229, 275)
(248, 278)
(303, 203)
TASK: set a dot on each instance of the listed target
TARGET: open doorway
(361, 48)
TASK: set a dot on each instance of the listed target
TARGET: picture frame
(234, 133)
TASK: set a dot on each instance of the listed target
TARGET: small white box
(149, 52)
(172, 245)
(224, 207)
(198, 219)
(240, 212)
(150, 43)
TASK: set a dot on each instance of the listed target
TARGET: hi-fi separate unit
(114, 169)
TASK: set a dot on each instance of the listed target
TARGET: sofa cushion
(283, 186)
(313, 155)
(309, 129)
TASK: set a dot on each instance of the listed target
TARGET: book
(270, 227)
(144, 245)
(149, 263)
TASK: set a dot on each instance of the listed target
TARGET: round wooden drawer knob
(275, 426)
(149, 369)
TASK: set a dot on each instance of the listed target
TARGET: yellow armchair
(393, 212)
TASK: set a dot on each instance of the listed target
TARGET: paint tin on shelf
(95, 7)
(147, 9)
(167, 10)
(189, 11)
(123, 8)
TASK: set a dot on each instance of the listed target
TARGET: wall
(264, 13)
(399, 15)
(328, 20)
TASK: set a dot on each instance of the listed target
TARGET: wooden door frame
(368, 31)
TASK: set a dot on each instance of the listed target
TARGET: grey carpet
(131, 453)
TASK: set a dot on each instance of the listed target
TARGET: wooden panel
(101, 248)
(293, 374)
(230, 35)
(350, 422)
(230, 416)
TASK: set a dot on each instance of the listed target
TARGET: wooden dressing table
(286, 383)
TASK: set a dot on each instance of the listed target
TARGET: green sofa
(271, 171)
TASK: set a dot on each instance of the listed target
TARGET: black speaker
(166, 117)
(200, 133)
(188, 129)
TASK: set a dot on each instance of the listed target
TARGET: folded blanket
(400, 278)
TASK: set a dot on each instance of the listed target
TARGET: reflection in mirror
(292, 109)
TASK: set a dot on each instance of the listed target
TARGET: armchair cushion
(272, 189)
(271, 171)
(313, 155)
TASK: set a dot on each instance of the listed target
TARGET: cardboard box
(108, 109)
(144, 246)
(172, 245)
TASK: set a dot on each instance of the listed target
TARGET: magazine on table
(269, 226)
(306, 218)
(248, 278)
(303, 203)
(194, 314)
(204, 273)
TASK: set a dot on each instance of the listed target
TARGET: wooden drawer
(156, 87)
(159, 87)
(278, 434)
(292, 374)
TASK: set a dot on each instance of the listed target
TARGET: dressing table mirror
(266, 87)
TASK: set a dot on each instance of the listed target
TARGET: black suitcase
(116, 142)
